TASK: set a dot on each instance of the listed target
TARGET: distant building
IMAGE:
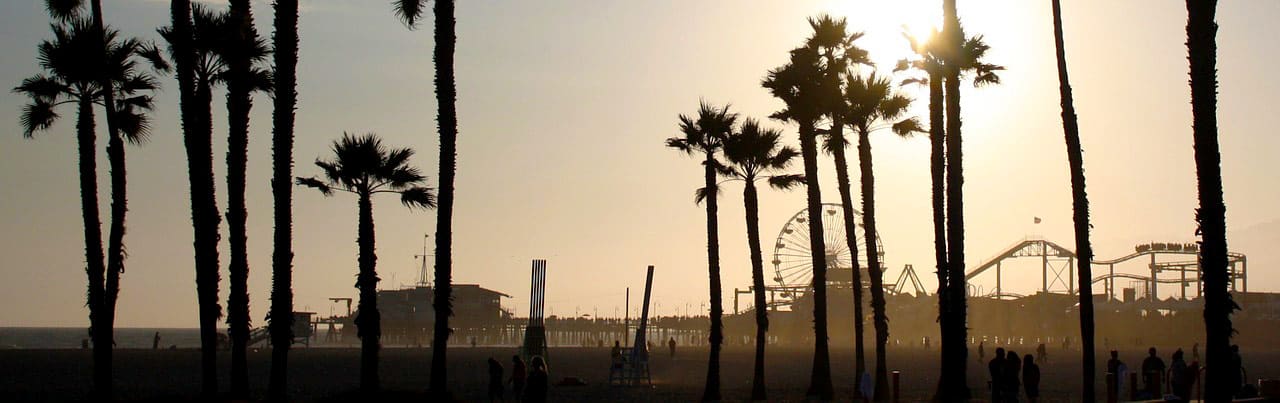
(408, 315)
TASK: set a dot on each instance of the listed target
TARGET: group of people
(1180, 375)
(526, 385)
(1011, 375)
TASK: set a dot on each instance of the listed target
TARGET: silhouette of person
(518, 376)
(536, 389)
(495, 380)
(1031, 378)
(1179, 377)
(1042, 354)
(1195, 352)
(1012, 369)
(982, 351)
(671, 345)
(996, 368)
(616, 353)
(155, 342)
(1152, 370)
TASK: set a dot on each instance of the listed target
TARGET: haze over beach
(561, 108)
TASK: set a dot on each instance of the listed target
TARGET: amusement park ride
(1169, 264)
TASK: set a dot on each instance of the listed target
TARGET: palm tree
(705, 135)
(752, 154)
(363, 166)
(410, 12)
(835, 44)
(1080, 209)
(928, 61)
(241, 50)
(285, 101)
(74, 70)
(1223, 376)
(799, 84)
(872, 105)
(190, 37)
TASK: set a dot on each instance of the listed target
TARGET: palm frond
(409, 11)
(418, 197)
(133, 125)
(831, 142)
(42, 87)
(701, 194)
(37, 116)
(315, 184)
(783, 158)
(786, 182)
(64, 10)
(152, 54)
(908, 127)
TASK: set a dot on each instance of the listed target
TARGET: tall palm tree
(1080, 209)
(75, 60)
(282, 115)
(799, 84)
(873, 105)
(835, 45)
(1223, 376)
(410, 12)
(241, 50)
(363, 166)
(928, 61)
(705, 135)
(753, 153)
(195, 66)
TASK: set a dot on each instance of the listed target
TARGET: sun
(885, 22)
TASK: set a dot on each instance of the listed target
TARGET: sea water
(72, 337)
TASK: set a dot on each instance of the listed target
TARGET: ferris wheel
(793, 258)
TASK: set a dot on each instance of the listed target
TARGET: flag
(1037, 220)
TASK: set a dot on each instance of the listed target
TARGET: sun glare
(885, 22)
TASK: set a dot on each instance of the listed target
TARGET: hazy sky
(563, 107)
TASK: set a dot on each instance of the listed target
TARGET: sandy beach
(330, 374)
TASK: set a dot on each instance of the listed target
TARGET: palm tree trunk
(850, 239)
(282, 117)
(711, 390)
(368, 320)
(873, 264)
(447, 118)
(93, 254)
(957, 348)
(937, 171)
(1223, 377)
(239, 104)
(820, 377)
(195, 99)
(1080, 211)
(752, 205)
(115, 241)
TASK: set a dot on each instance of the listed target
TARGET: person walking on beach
(495, 380)
(518, 376)
(1152, 371)
(1116, 368)
(1042, 354)
(1012, 370)
(536, 390)
(1179, 377)
(996, 368)
(671, 345)
(1031, 378)
(982, 351)
(155, 342)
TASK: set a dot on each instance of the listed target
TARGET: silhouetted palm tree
(873, 105)
(364, 167)
(705, 134)
(927, 60)
(799, 84)
(752, 153)
(1223, 376)
(76, 60)
(960, 55)
(410, 12)
(1080, 209)
(241, 50)
(835, 44)
(191, 37)
(285, 101)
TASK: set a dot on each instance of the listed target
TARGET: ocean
(71, 337)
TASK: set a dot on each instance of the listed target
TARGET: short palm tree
(1080, 209)
(800, 85)
(704, 135)
(1223, 372)
(282, 119)
(73, 76)
(873, 105)
(753, 153)
(446, 38)
(363, 166)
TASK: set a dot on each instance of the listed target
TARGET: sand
(331, 374)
